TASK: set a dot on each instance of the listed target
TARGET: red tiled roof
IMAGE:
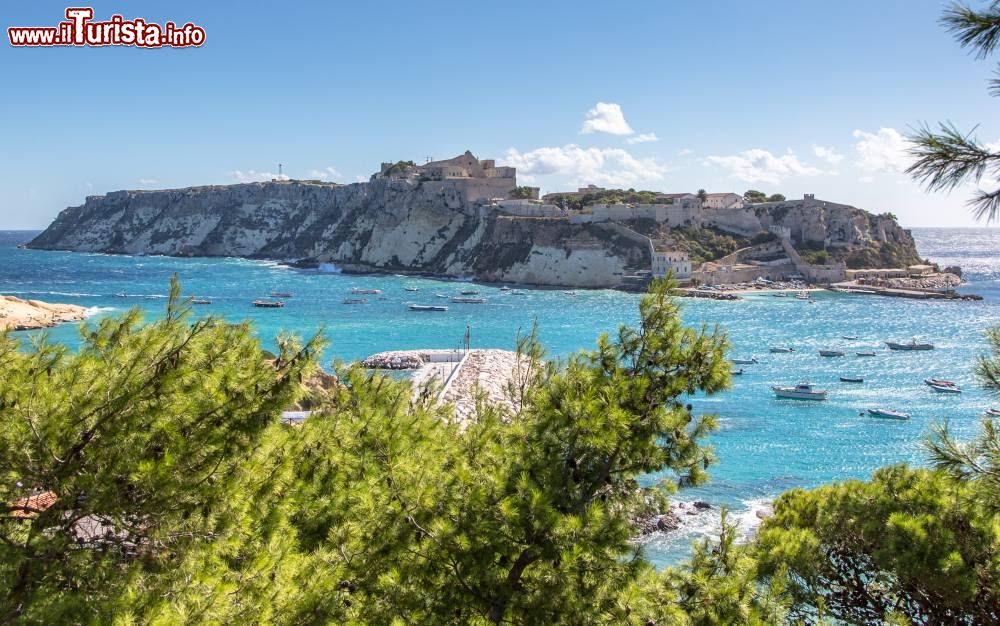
(31, 506)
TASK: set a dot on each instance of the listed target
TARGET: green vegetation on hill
(399, 167)
(522, 193)
(609, 196)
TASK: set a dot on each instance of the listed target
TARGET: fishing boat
(802, 295)
(738, 372)
(992, 412)
(849, 337)
(459, 300)
(269, 304)
(751, 361)
(200, 301)
(889, 414)
(469, 292)
(355, 301)
(911, 345)
(946, 389)
(851, 379)
(281, 294)
(801, 391)
(782, 349)
(831, 353)
(427, 307)
(412, 288)
(366, 291)
(940, 382)
(869, 353)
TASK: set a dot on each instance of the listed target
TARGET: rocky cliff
(431, 227)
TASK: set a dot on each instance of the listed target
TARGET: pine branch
(979, 30)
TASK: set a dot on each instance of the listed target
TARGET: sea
(764, 445)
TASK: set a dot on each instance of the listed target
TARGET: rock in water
(18, 314)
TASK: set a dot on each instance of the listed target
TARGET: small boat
(469, 292)
(940, 382)
(831, 353)
(440, 295)
(751, 361)
(517, 293)
(121, 295)
(366, 291)
(427, 307)
(869, 353)
(269, 304)
(570, 293)
(780, 294)
(851, 379)
(802, 295)
(889, 414)
(801, 391)
(782, 349)
(911, 345)
(355, 301)
(505, 288)
(281, 294)
(200, 301)
(412, 288)
(469, 300)
(992, 412)
(849, 337)
(738, 372)
(946, 389)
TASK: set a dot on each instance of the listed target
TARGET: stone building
(670, 260)
(727, 200)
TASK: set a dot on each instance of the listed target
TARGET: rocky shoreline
(18, 314)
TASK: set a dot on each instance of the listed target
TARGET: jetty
(856, 288)
(456, 377)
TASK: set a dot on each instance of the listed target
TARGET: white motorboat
(992, 412)
(869, 353)
(458, 300)
(910, 345)
(802, 295)
(412, 288)
(751, 361)
(946, 389)
(889, 414)
(940, 382)
(782, 349)
(801, 391)
(831, 353)
(366, 291)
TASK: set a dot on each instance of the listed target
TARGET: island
(18, 314)
(466, 217)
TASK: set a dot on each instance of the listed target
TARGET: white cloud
(148, 181)
(642, 138)
(608, 118)
(828, 154)
(760, 166)
(685, 152)
(609, 166)
(884, 151)
(325, 173)
(253, 176)
(866, 179)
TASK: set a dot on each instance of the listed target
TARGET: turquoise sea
(764, 445)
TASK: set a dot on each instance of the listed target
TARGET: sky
(783, 96)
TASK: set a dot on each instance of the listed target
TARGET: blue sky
(783, 96)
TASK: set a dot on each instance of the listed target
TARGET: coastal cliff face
(433, 227)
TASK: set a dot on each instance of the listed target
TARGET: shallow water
(764, 445)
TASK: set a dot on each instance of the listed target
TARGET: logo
(79, 29)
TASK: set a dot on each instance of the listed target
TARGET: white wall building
(723, 201)
(667, 261)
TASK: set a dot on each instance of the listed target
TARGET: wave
(329, 268)
(95, 310)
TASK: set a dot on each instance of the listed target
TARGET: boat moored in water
(751, 361)
(427, 307)
(831, 353)
(940, 382)
(851, 379)
(268, 304)
(200, 301)
(946, 389)
(355, 301)
(910, 345)
(889, 414)
(469, 300)
(738, 372)
(801, 391)
(366, 291)
(849, 337)
(992, 412)
(281, 294)
(412, 288)
(782, 349)
(869, 353)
